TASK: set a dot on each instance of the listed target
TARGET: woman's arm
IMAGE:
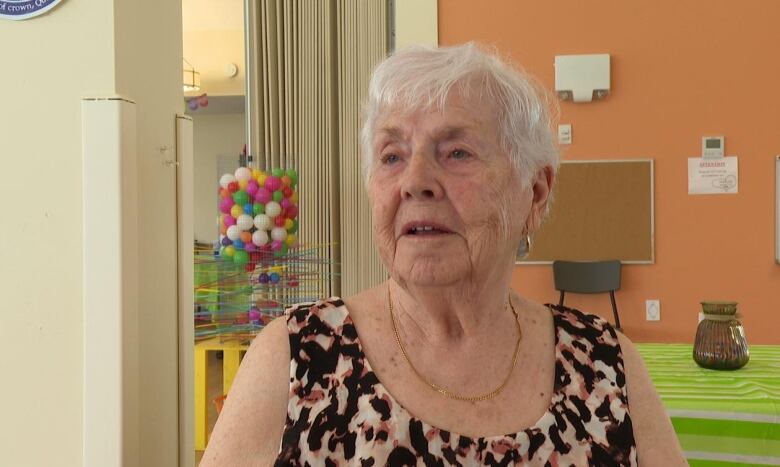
(249, 429)
(656, 441)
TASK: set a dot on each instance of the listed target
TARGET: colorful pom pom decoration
(257, 208)
(259, 267)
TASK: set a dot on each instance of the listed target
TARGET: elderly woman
(443, 364)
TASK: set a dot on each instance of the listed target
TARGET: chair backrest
(586, 276)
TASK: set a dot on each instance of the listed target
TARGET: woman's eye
(390, 158)
(459, 154)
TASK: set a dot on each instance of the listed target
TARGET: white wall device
(230, 70)
(564, 133)
(653, 310)
(777, 209)
(712, 147)
(582, 78)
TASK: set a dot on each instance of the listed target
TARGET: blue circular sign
(24, 9)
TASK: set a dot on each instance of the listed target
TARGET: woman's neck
(453, 313)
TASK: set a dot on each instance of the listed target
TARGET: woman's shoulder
(577, 321)
(329, 302)
(323, 316)
(589, 337)
(313, 306)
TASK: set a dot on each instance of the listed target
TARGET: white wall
(82, 48)
(213, 135)
(209, 51)
(40, 229)
(213, 37)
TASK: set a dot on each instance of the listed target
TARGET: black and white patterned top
(340, 414)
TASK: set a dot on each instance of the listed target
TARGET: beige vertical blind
(313, 61)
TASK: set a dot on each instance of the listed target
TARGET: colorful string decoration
(259, 268)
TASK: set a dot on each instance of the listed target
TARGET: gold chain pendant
(446, 392)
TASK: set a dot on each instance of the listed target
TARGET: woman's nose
(421, 179)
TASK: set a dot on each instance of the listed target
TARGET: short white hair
(423, 77)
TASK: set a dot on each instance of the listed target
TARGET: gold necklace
(446, 392)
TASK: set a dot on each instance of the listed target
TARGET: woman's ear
(541, 186)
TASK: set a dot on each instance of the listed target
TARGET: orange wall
(680, 71)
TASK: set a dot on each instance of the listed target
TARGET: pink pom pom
(276, 245)
(225, 205)
(263, 196)
(285, 203)
(229, 220)
(291, 212)
(250, 247)
(252, 187)
(273, 183)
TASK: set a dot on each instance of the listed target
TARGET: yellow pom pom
(236, 211)
(242, 184)
(261, 179)
(288, 224)
(230, 250)
(256, 173)
(294, 198)
(290, 240)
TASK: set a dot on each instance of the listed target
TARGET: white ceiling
(212, 15)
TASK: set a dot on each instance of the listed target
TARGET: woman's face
(446, 200)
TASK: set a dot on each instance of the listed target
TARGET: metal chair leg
(560, 302)
(615, 311)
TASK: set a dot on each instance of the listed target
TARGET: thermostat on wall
(712, 147)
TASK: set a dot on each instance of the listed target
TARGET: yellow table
(231, 352)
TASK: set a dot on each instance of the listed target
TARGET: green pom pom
(240, 257)
(240, 198)
(293, 174)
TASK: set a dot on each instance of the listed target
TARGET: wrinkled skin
(448, 167)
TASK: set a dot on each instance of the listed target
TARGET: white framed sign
(25, 9)
(777, 209)
(713, 176)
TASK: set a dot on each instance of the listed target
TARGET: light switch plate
(653, 310)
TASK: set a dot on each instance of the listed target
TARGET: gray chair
(588, 277)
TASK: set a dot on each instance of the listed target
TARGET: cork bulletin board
(601, 210)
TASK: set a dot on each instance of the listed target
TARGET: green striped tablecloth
(722, 418)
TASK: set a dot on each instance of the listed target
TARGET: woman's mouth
(425, 229)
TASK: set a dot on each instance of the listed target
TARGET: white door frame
(185, 242)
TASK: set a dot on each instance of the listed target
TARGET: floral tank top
(340, 414)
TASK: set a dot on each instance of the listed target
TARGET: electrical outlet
(564, 133)
(653, 310)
